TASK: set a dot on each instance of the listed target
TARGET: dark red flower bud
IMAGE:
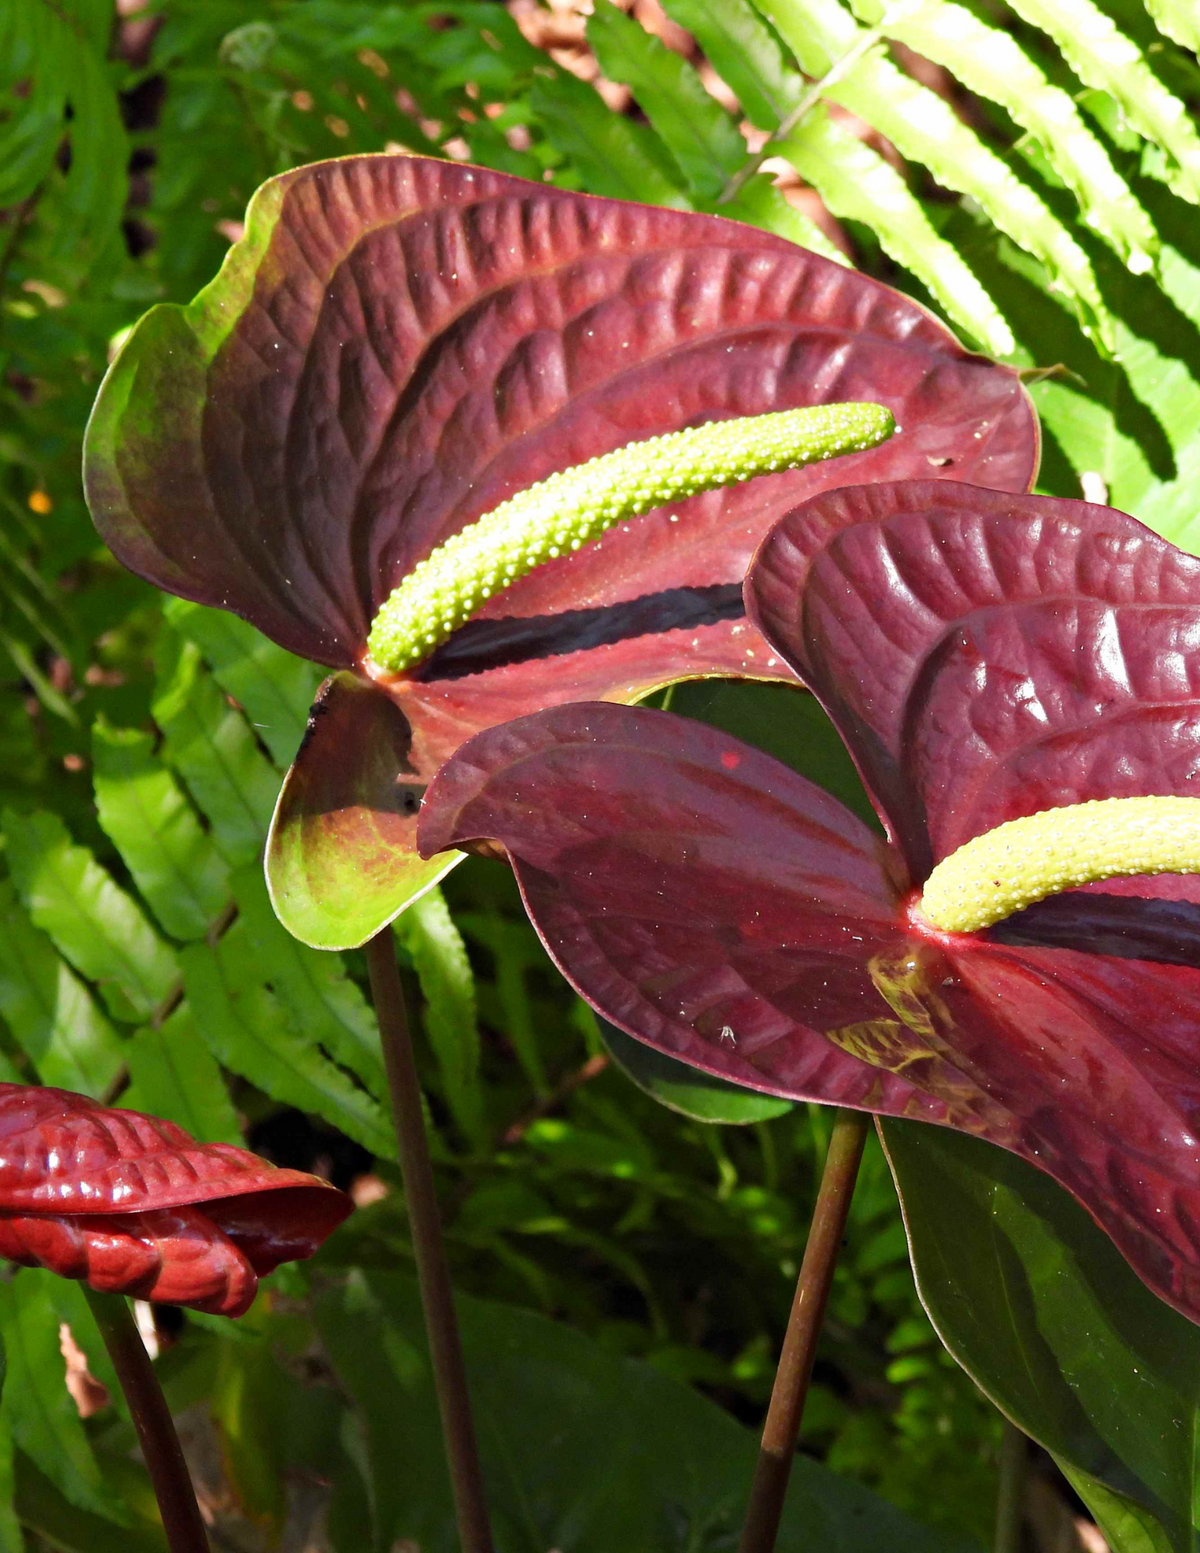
(131, 1204)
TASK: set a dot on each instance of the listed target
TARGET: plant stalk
(152, 1419)
(1010, 1491)
(437, 1298)
(782, 1428)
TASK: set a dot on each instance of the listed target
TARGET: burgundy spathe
(983, 656)
(398, 345)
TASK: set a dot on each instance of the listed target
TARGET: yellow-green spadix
(575, 506)
(1021, 862)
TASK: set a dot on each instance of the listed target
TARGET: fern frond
(94, 924)
(56, 54)
(250, 1031)
(1178, 19)
(49, 1010)
(174, 863)
(699, 133)
(858, 185)
(926, 129)
(853, 180)
(759, 203)
(1102, 56)
(746, 54)
(696, 130)
(618, 157)
(991, 63)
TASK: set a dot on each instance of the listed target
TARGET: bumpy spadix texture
(577, 505)
(1026, 860)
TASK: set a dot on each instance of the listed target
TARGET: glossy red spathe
(983, 656)
(400, 344)
(131, 1204)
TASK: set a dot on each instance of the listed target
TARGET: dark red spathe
(131, 1204)
(983, 656)
(398, 345)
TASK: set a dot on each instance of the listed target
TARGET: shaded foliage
(127, 154)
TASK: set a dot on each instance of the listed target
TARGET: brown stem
(437, 1299)
(593, 1066)
(782, 1427)
(152, 1419)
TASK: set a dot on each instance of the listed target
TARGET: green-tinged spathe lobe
(577, 505)
(1011, 867)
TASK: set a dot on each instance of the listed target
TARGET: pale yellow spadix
(577, 505)
(1011, 867)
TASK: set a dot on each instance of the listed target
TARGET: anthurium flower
(985, 657)
(131, 1204)
(397, 346)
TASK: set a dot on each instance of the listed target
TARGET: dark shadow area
(493, 644)
(1127, 927)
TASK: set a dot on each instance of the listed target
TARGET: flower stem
(788, 1394)
(1010, 1493)
(152, 1419)
(437, 1299)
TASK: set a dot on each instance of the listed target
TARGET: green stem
(433, 1275)
(152, 1419)
(782, 1428)
(1010, 1490)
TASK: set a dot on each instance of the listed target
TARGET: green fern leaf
(275, 688)
(511, 1006)
(174, 863)
(1179, 19)
(27, 667)
(990, 62)
(94, 923)
(31, 594)
(701, 136)
(926, 129)
(250, 1031)
(858, 185)
(49, 1010)
(615, 156)
(696, 130)
(210, 745)
(55, 52)
(173, 1074)
(745, 53)
(324, 1005)
(40, 1410)
(759, 203)
(439, 956)
(854, 181)
(1102, 56)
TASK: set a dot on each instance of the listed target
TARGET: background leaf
(177, 868)
(274, 688)
(172, 1073)
(440, 960)
(687, 1090)
(1037, 1304)
(49, 1010)
(674, 1474)
(96, 925)
(42, 1414)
